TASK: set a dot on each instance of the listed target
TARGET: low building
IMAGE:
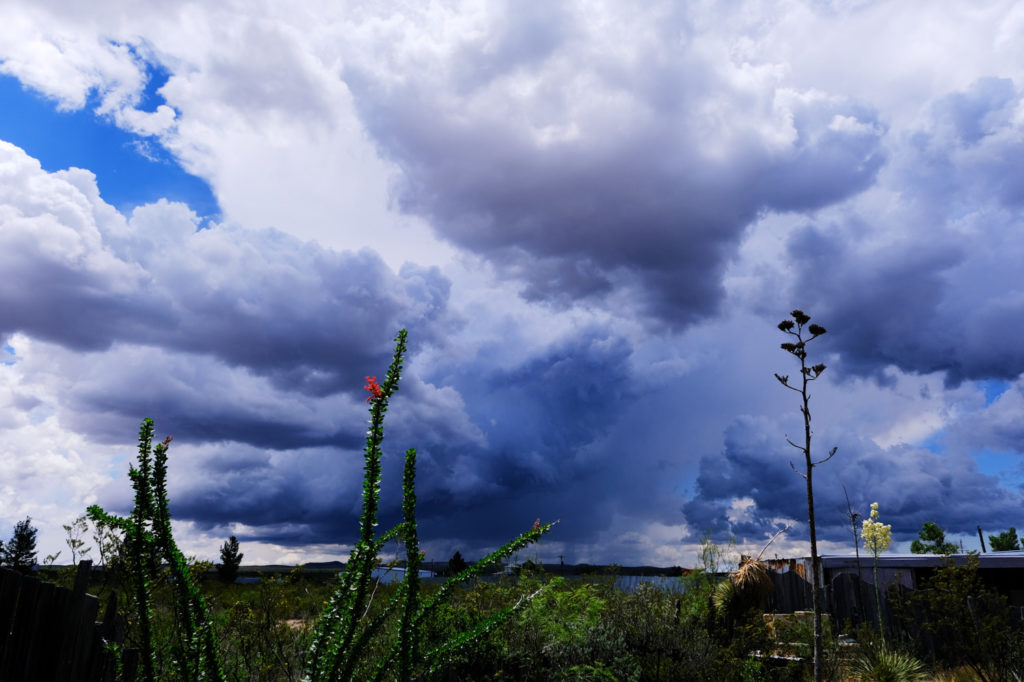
(1001, 571)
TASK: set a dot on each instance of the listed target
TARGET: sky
(589, 216)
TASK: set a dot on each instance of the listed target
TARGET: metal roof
(1011, 559)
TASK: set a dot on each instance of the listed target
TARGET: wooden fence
(50, 633)
(848, 598)
(851, 600)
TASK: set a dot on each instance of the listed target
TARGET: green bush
(966, 624)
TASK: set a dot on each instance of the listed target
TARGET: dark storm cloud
(199, 400)
(639, 176)
(251, 348)
(309, 319)
(911, 485)
(512, 452)
(944, 293)
(537, 419)
(307, 490)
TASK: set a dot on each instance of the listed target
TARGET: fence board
(50, 633)
(15, 659)
(9, 583)
(791, 593)
(849, 600)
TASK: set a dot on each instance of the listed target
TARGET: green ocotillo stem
(363, 555)
(408, 634)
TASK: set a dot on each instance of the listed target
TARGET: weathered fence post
(50, 633)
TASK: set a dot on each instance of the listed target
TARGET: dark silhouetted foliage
(932, 541)
(20, 551)
(1005, 541)
(230, 560)
(456, 564)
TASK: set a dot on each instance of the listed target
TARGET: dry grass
(752, 580)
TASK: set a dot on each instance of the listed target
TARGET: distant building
(395, 574)
(786, 566)
(1001, 571)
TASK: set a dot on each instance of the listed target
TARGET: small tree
(75, 530)
(109, 543)
(230, 560)
(798, 349)
(456, 564)
(20, 551)
(1005, 541)
(932, 541)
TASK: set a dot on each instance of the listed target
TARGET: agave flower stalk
(797, 347)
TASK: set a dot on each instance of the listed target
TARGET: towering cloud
(607, 154)
(590, 219)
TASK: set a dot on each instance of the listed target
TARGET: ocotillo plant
(148, 533)
(344, 631)
(798, 349)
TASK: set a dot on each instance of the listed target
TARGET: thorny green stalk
(433, 658)
(148, 531)
(199, 659)
(344, 632)
(798, 349)
(408, 635)
(142, 563)
(332, 646)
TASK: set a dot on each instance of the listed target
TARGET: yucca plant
(888, 665)
(747, 586)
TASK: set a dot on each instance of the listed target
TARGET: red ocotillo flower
(373, 388)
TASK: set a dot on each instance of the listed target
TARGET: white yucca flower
(877, 535)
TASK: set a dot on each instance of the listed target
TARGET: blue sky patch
(993, 389)
(127, 178)
(156, 77)
(1000, 463)
(935, 442)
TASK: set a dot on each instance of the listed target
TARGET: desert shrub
(264, 629)
(963, 623)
